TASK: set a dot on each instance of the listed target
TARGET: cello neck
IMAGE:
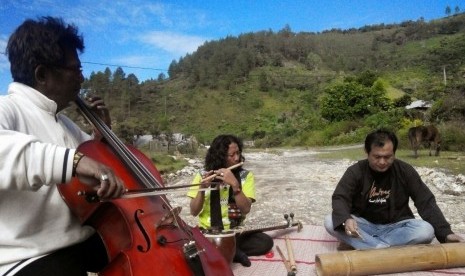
(126, 156)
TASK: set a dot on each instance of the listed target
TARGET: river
(296, 181)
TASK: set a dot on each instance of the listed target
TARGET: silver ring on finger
(221, 174)
(104, 177)
(349, 232)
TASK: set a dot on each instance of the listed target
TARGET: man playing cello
(40, 235)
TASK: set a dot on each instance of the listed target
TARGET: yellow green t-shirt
(248, 188)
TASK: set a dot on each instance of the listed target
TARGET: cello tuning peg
(286, 216)
(292, 215)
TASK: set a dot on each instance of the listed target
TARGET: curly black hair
(217, 154)
(40, 42)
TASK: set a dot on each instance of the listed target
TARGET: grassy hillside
(268, 86)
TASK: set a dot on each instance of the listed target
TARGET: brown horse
(426, 135)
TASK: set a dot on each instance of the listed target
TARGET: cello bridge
(190, 250)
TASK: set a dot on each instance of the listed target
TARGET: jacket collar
(29, 94)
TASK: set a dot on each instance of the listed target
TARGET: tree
(263, 84)
(313, 61)
(173, 69)
(367, 78)
(403, 101)
(449, 52)
(100, 83)
(161, 77)
(119, 74)
(351, 100)
(286, 31)
(448, 10)
(242, 64)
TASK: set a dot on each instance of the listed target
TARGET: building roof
(419, 104)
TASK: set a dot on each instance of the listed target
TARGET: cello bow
(142, 236)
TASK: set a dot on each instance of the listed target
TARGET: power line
(124, 66)
(115, 65)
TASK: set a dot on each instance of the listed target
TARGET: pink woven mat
(311, 240)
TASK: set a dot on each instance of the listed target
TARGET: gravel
(295, 181)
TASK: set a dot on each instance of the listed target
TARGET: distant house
(419, 104)
(163, 141)
(418, 109)
(142, 140)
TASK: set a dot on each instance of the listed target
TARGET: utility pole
(444, 73)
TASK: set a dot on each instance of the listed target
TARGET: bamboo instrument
(285, 261)
(290, 254)
(391, 260)
(229, 168)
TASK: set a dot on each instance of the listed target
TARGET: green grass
(164, 162)
(394, 93)
(452, 162)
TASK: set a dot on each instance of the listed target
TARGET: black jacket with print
(351, 193)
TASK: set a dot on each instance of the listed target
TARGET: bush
(402, 135)
(313, 138)
(188, 148)
(351, 100)
(269, 141)
(166, 163)
(453, 136)
(341, 132)
(353, 137)
(385, 119)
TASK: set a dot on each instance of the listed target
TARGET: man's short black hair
(41, 41)
(379, 138)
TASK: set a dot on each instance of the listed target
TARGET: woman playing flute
(224, 209)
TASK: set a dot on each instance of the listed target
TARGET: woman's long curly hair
(217, 154)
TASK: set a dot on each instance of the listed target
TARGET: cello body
(144, 235)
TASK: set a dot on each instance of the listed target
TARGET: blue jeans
(409, 231)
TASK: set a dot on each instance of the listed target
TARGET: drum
(225, 242)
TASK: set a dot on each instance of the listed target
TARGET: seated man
(40, 235)
(212, 206)
(371, 202)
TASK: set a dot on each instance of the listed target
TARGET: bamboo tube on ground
(290, 254)
(391, 260)
(285, 261)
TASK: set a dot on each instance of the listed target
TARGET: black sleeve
(343, 196)
(426, 205)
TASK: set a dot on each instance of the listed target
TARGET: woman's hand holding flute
(225, 175)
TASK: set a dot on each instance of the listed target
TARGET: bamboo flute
(215, 175)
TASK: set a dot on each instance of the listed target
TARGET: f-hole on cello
(143, 235)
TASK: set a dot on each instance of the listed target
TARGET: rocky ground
(295, 181)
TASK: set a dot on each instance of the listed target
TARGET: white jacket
(36, 153)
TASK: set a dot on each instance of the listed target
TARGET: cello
(143, 235)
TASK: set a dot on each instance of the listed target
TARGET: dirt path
(296, 181)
